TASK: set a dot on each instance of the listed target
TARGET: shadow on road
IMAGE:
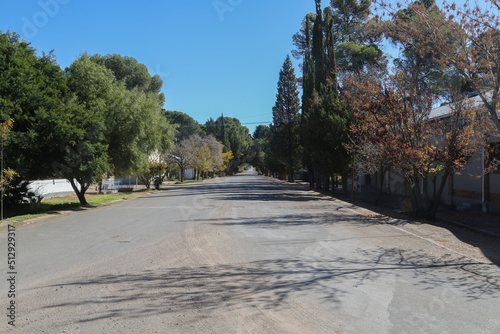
(258, 189)
(295, 220)
(271, 284)
(255, 188)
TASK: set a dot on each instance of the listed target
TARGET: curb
(444, 221)
(470, 228)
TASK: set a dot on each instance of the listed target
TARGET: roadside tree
(207, 152)
(186, 126)
(394, 128)
(473, 31)
(34, 94)
(285, 129)
(182, 156)
(155, 174)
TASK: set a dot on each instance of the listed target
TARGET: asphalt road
(246, 254)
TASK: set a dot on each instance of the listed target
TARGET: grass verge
(188, 181)
(22, 212)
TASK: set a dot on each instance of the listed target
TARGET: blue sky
(214, 56)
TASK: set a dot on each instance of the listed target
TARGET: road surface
(246, 254)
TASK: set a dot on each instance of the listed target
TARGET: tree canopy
(186, 125)
(233, 136)
(82, 123)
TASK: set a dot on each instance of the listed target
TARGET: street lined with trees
(250, 253)
(359, 112)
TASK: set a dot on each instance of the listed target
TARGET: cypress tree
(325, 121)
(285, 130)
(226, 147)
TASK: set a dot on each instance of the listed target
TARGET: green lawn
(22, 212)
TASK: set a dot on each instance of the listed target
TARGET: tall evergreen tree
(224, 137)
(285, 130)
(325, 121)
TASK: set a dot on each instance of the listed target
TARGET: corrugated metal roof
(444, 111)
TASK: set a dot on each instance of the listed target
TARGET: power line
(253, 123)
(218, 125)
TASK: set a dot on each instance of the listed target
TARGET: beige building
(472, 190)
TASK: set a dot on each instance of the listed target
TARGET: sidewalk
(479, 222)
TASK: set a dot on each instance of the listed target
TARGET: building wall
(51, 188)
(459, 189)
(188, 174)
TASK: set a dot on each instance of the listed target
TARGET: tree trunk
(425, 190)
(310, 171)
(317, 181)
(418, 204)
(326, 183)
(437, 198)
(380, 186)
(414, 200)
(146, 181)
(434, 190)
(80, 193)
(352, 183)
(183, 173)
(344, 184)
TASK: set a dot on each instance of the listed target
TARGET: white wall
(189, 174)
(51, 188)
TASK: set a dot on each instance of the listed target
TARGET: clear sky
(214, 56)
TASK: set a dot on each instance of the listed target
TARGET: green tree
(33, 92)
(135, 127)
(356, 37)
(136, 130)
(86, 160)
(207, 152)
(259, 148)
(131, 73)
(236, 136)
(7, 175)
(186, 125)
(325, 121)
(154, 174)
(285, 130)
(80, 124)
(403, 30)
(261, 132)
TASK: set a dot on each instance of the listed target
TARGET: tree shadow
(468, 229)
(272, 284)
(293, 220)
(261, 189)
